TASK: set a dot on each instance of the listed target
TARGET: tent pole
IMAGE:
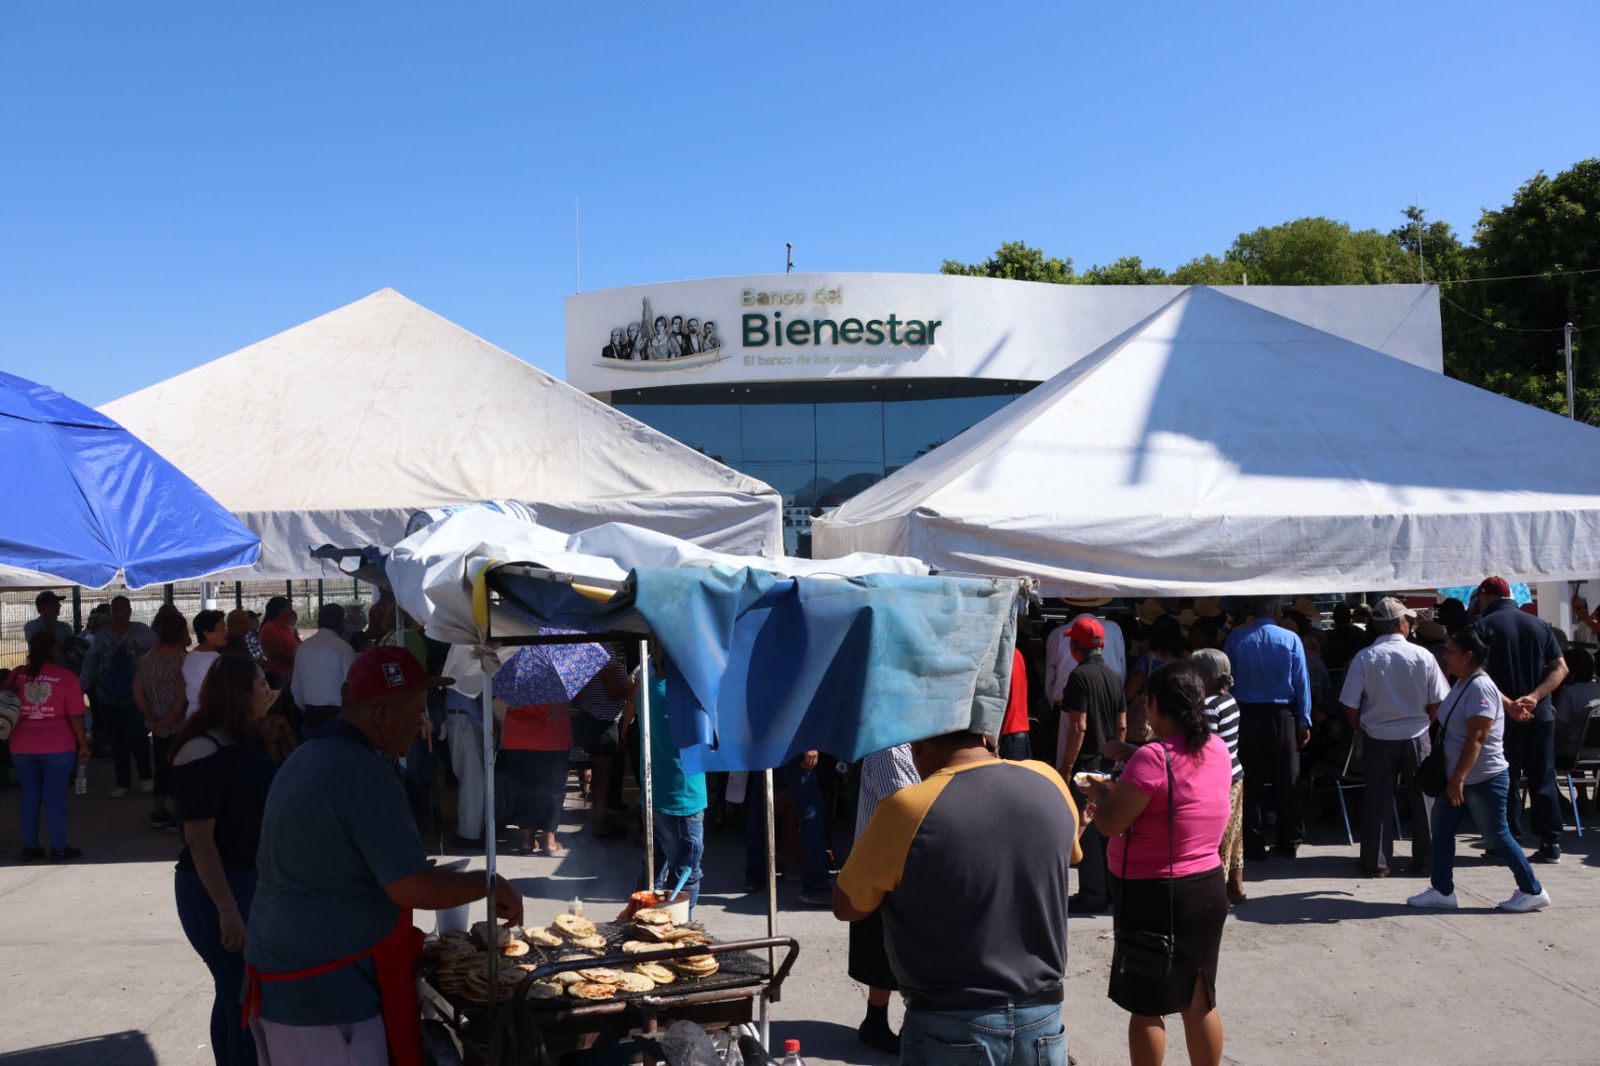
(645, 761)
(772, 891)
(238, 595)
(491, 825)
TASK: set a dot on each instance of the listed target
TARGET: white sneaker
(118, 792)
(147, 786)
(1522, 903)
(1433, 898)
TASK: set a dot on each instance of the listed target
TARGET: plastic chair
(1584, 764)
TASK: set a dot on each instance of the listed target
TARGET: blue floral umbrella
(549, 673)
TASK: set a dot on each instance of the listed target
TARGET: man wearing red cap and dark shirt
(1094, 713)
(330, 949)
(1526, 663)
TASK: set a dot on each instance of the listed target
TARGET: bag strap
(1127, 846)
(1462, 691)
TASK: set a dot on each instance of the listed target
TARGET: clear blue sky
(180, 180)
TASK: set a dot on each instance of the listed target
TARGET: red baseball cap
(379, 672)
(1495, 586)
(1086, 632)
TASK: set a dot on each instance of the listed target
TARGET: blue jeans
(680, 844)
(807, 796)
(231, 1042)
(44, 781)
(1487, 802)
(995, 1036)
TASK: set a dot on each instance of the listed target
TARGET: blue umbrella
(89, 499)
(549, 673)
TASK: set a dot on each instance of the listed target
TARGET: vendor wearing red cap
(1094, 714)
(330, 947)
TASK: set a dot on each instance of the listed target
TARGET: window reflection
(817, 455)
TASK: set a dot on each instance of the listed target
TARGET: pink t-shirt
(48, 700)
(1203, 784)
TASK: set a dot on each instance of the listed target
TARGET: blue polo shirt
(337, 829)
(1521, 649)
(1269, 666)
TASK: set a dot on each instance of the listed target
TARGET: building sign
(804, 327)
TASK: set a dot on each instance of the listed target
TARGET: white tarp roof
(1220, 448)
(338, 430)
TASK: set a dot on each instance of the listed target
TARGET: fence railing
(16, 606)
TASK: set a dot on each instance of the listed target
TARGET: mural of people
(660, 337)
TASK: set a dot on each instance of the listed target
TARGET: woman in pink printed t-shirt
(1165, 819)
(46, 744)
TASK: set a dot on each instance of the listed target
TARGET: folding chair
(1585, 764)
(1351, 779)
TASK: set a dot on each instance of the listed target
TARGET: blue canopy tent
(90, 500)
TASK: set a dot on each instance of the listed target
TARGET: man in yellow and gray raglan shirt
(970, 870)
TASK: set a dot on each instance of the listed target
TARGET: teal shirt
(337, 829)
(671, 790)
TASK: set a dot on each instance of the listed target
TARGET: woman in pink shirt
(1165, 819)
(46, 744)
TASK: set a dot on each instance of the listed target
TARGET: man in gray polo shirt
(1391, 691)
(330, 949)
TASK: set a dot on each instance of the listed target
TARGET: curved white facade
(853, 327)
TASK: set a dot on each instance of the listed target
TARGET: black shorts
(869, 957)
(594, 736)
(1198, 909)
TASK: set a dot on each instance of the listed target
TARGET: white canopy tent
(338, 430)
(1219, 448)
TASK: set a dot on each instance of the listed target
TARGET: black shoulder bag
(1432, 777)
(1140, 952)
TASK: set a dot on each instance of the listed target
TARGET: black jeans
(1269, 748)
(1531, 751)
(129, 736)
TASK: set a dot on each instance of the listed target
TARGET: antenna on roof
(577, 238)
(788, 257)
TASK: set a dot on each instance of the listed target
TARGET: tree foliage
(1503, 335)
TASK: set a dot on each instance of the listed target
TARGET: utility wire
(1519, 277)
(1501, 325)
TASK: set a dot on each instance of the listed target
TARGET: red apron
(395, 960)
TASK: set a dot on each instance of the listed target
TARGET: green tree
(1015, 261)
(1129, 270)
(1208, 270)
(1506, 334)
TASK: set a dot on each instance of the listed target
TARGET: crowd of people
(1158, 749)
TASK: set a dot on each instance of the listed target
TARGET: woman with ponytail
(1165, 818)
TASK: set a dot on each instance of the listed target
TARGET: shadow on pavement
(825, 1040)
(114, 1049)
(1326, 908)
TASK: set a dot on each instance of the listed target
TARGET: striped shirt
(1223, 714)
(596, 698)
(883, 773)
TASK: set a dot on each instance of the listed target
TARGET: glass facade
(818, 444)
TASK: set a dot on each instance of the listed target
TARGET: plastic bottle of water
(791, 1053)
(80, 784)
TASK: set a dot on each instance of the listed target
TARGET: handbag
(1141, 953)
(1432, 777)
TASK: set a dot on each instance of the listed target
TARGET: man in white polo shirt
(1391, 690)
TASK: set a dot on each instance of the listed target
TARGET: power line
(1519, 277)
(1501, 325)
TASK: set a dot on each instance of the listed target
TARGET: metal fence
(16, 606)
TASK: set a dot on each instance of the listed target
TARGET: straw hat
(1187, 617)
(1149, 610)
(1208, 606)
(1306, 606)
(1098, 602)
(1430, 632)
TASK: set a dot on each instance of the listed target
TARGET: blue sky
(180, 180)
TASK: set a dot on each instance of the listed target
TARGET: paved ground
(1319, 968)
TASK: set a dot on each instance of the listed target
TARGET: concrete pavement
(1319, 968)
